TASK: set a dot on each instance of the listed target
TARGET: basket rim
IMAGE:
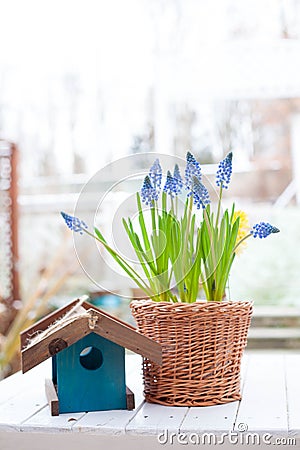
(198, 304)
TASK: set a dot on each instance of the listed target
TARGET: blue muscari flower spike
(224, 171)
(74, 223)
(263, 229)
(199, 193)
(170, 185)
(193, 169)
(177, 179)
(148, 192)
(155, 175)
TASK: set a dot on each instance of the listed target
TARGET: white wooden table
(269, 410)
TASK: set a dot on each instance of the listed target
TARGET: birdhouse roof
(69, 324)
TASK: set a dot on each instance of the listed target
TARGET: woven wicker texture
(202, 346)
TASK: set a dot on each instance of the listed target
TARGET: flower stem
(153, 217)
(172, 206)
(242, 240)
(212, 250)
(187, 233)
(219, 204)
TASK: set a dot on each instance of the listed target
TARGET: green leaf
(123, 264)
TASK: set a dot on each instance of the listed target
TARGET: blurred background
(85, 83)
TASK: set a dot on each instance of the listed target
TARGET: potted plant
(186, 254)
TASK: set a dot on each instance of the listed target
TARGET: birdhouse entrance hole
(91, 358)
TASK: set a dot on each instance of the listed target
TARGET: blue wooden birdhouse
(87, 347)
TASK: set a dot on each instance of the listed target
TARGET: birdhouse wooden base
(53, 402)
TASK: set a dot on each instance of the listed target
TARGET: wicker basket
(202, 346)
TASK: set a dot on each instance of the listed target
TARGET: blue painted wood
(94, 388)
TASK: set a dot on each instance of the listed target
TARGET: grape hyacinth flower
(74, 223)
(199, 193)
(155, 175)
(263, 229)
(170, 186)
(173, 183)
(148, 192)
(177, 179)
(193, 169)
(224, 171)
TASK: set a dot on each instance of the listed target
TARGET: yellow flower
(244, 228)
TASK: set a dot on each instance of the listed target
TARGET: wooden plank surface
(292, 367)
(153, 419)
(21, 407)
(269, 401)
(43, 422)
(18, 383)
(104, 422)
(264, 405)
(7, 386)
(206, 418)
(22, 396)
